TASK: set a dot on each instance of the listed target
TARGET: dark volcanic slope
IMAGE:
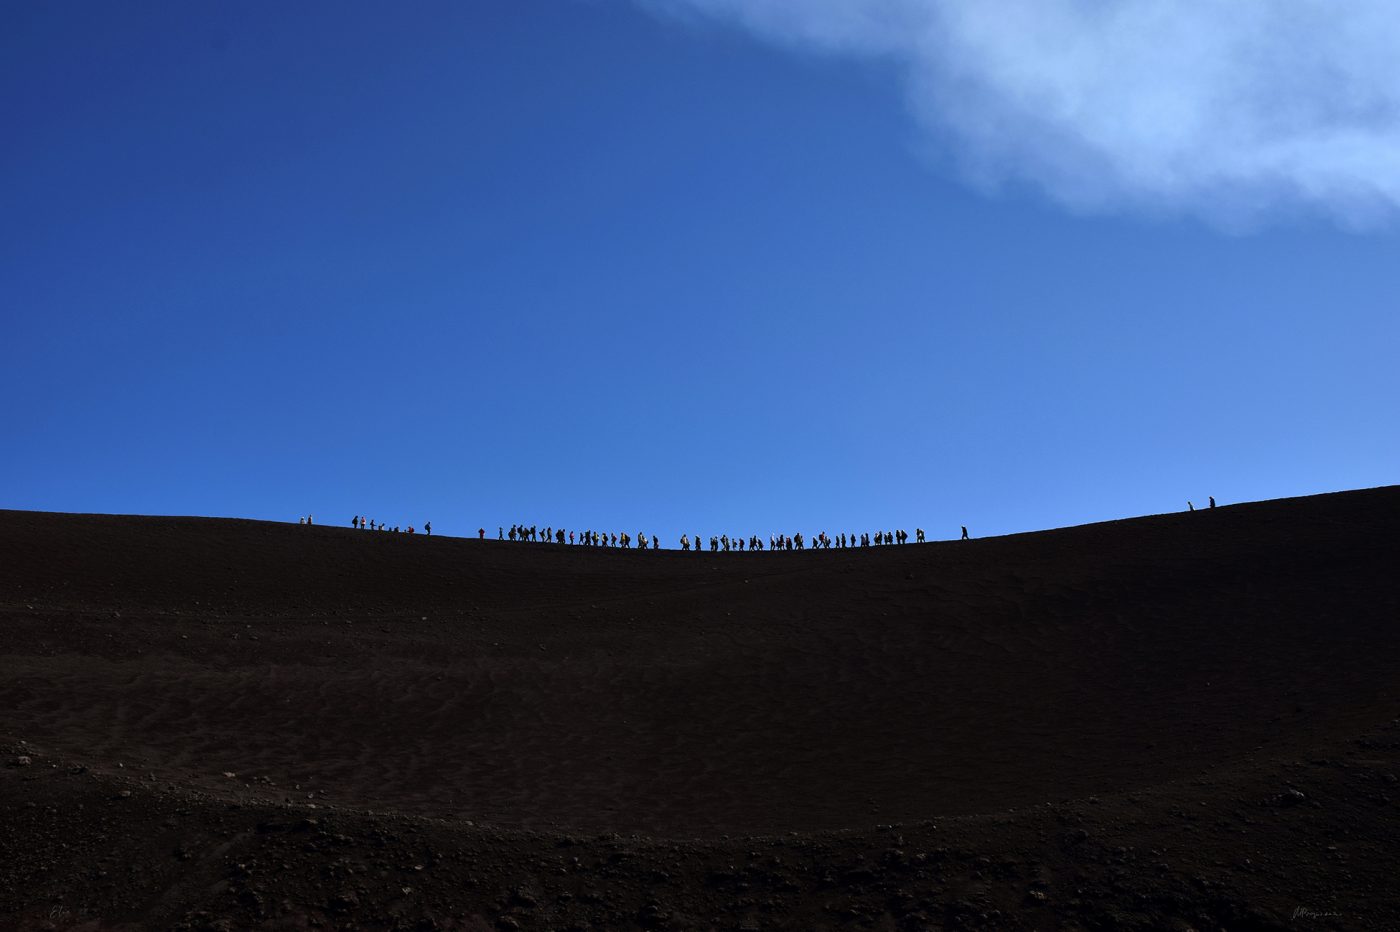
(685, 696)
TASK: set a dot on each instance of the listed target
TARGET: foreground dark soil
(1180, 722)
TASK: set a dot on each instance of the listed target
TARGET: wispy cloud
(1238, 110)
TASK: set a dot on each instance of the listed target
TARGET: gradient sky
(580, 264)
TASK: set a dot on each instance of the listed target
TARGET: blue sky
(647, 267)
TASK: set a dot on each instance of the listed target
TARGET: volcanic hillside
(574, 692)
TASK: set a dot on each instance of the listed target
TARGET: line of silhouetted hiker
(361, 523)
(721, 543)
(534, 534)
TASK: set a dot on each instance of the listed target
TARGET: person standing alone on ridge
(964, 534)
(428, 528)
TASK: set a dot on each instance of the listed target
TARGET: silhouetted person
(1190, 507)
(964, 530)
(481, 533)
(655, 542)
(428, 528)
(919, 534)
(1212, 501)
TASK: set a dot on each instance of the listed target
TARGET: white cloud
(1234, 109)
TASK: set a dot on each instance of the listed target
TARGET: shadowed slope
(684, 694)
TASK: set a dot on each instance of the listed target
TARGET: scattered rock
(344, 902)
(653, 916)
